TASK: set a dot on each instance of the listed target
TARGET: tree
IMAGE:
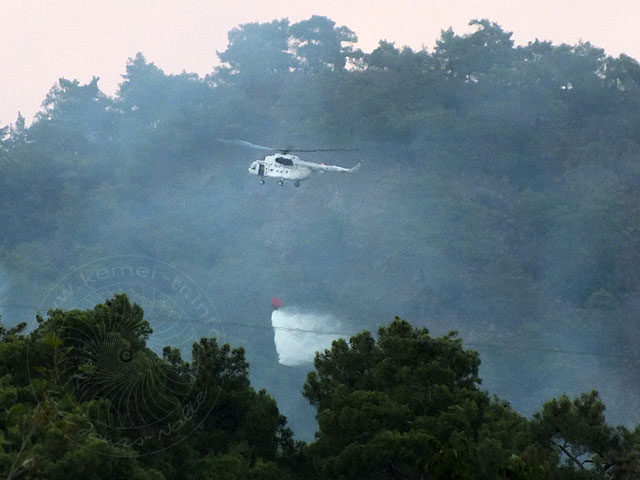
(408, 406)
(82, 396)
(18, 131)
(318, 44)
(144, 88)
(470, 56)
(256, 51)
(578, 432)
(74, 118)
(163, 117)
(231, 411)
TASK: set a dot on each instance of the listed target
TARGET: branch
(570, 455)
(15, 470)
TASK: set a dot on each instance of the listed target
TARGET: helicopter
(285, 166)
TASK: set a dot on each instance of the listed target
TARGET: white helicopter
(285, 166)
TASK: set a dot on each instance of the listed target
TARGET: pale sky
(76, 39)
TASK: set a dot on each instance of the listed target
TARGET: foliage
(408, 405)
(83, 397)
(402, 405)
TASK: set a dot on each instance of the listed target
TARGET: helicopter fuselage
(281, 167)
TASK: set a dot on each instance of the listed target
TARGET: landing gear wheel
(297, 184)
(261, 182)
(280, 182)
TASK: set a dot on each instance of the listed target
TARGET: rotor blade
(244, 143)
(322, 150)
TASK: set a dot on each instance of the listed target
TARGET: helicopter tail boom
(328, 168)
(355, 168)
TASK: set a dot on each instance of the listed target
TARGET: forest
(94, 401)
(498, 197)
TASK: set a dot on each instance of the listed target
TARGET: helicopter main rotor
(244, 143)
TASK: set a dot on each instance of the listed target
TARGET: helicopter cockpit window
(285, 161)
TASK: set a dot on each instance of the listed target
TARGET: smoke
(298, 336)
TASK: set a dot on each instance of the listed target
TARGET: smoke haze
(498, 197)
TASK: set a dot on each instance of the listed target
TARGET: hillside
(498, 197)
